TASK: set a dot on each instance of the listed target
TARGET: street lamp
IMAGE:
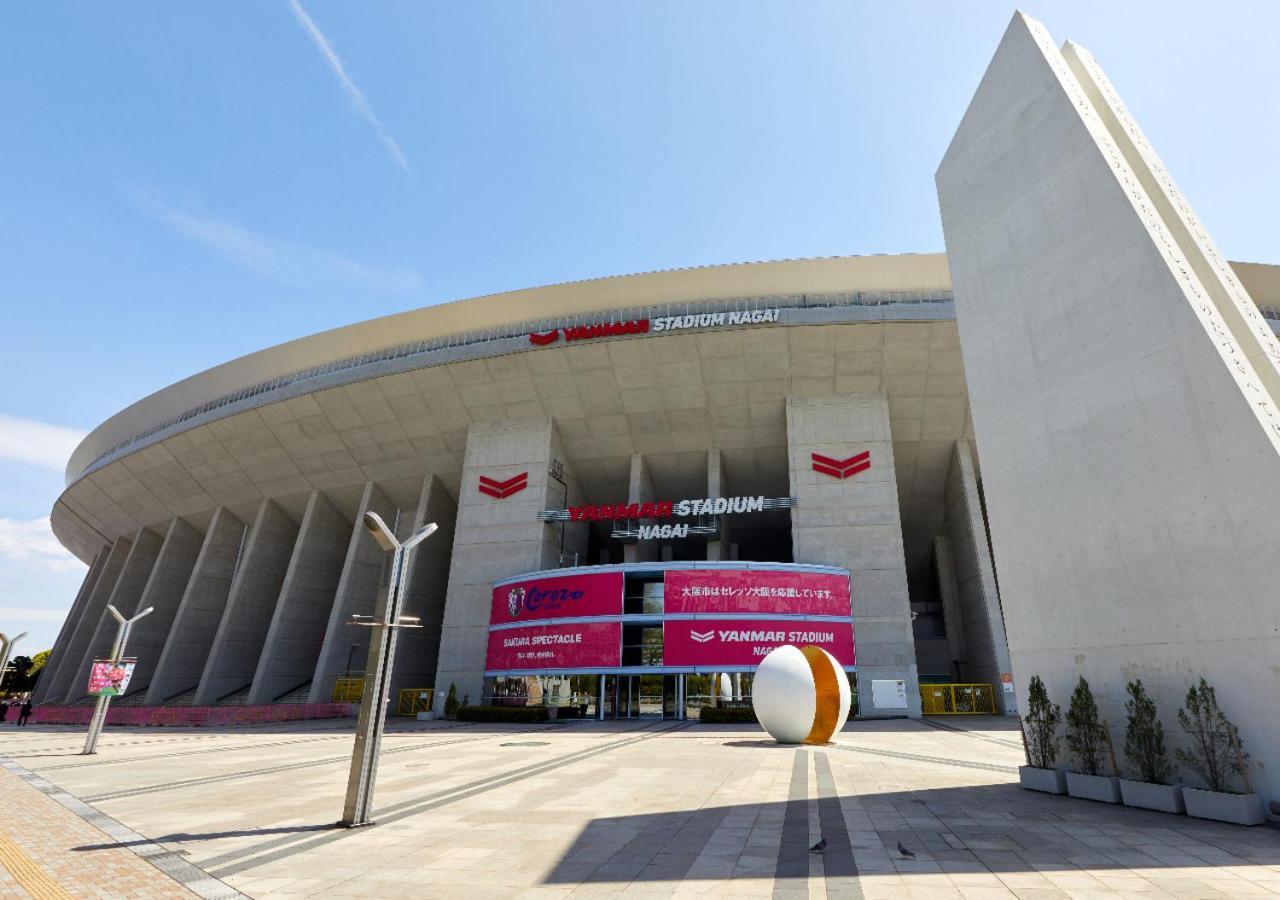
(377, 672)
(104, 700)
(6, 651)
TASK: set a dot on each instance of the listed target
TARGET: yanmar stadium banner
(704, 643)
(558, 597)
(756, 591)
(583, 645)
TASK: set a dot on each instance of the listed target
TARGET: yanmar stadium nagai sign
(665, 509)
(593, 330)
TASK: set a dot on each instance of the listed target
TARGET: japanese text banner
(756, 591)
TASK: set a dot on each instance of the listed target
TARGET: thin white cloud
(37, 443)
(354, 94)
(278, 260)
(31, 614)
(31, 543)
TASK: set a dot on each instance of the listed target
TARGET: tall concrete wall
(1131, 449)
(345, 645)
(498, 538)
(204, 600)
(640, 490)
(124, 597)
(307, 595)
(986, 656)
(427, 581)
(949, 593)
(855, 522)
(163, 593)
(50, 673)
(242, 633)
(718, 548)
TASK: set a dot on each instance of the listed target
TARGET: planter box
(1103, 788)
(1161, 797)
(1239, 809)
(428, 715)
(1050, 781)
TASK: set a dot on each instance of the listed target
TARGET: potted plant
(1088, 739)
(1215, 755)
(1040, 738)
(1144, 747)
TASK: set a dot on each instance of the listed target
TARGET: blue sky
(186, 183)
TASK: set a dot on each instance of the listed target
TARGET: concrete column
(46, 680)
(855, 522)
(979, 599)
(952, 618)
(362, 572)
(427, 575)
(717, 548)
(307, 595)
(242, 633)
(640, 490)
(124, 597)
(204, 599)
(163, 592)
(498, 538)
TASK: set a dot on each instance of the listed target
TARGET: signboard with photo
(110, 679)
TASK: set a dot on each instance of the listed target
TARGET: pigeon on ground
(905, 852)
(819, 847)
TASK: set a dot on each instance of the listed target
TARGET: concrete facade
(44, 687)
(855, 523)
(1124, 409)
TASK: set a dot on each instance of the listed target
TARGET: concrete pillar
(307, 594)
(163, 593)
(204, 599)
(975, 578)
(124, 597)
(640, 490)
(362, 573)
(427, 575)
(855, 522)
(499, 538)
(952, 618)
(45, 682)
(242, 633)
(717, 548)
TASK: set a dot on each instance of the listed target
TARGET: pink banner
(558, 597)
(195, 715)
(744, 642)
(582, 646)
(756, 591)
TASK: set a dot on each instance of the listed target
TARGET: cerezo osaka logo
(534, 600)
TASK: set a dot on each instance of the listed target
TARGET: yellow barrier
(348, 690)
(957, 699)
(415, 700)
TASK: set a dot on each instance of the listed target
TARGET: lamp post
(6, 651)
(377, 672)
(104, 700)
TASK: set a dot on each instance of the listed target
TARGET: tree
(1144, 736)
(1041, 726)
(1086, 733)
(451, 702)
(1216, 752)
(17, 678)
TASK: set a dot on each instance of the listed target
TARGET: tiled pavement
(615, 809)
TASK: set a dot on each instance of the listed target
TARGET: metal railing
(348, 690)
(958, 699)
(415, 700)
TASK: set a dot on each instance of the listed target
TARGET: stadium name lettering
(789, 637)
(712, 320)
(661, 323)
(710, 506)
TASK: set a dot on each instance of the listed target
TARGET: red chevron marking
(503, 489)
(842, 468)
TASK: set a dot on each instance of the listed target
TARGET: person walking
(4, 708)
(24, 712)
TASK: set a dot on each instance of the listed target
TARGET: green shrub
(1216, 752)
(502, 714)
(1086, 734)
(730, 715)
(451, 702)
(1040, 726)
(1144, 736)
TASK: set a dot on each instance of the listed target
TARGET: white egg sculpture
(800, 695)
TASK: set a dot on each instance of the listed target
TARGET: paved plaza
(586, 809)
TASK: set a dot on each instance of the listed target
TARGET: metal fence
(958, 699)
(348, 690)
(415, 700)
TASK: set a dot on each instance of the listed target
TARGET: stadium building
(644, 481)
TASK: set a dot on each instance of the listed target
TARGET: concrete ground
(602, 810)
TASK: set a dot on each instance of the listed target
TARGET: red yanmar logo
(842, 468)
(545, 337)
(592, 330)
(504, 489)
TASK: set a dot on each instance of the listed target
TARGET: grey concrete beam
(640, 490)
(204, 599)
(255, 589)
(163, 593)
(346, 646)
(952, 618)
(50, 674)
(719, 548)
(124, 597)
(307, 596)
